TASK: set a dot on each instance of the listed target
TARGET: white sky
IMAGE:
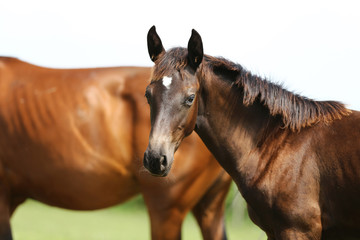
(311, 46)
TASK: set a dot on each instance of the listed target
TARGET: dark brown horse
(75, 139)
(296, 161)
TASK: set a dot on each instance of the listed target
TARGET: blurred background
(36, 221)
(312, 47)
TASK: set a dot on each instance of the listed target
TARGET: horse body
(75, 138)
(51, 124)
(294, 160)
(298, 185)
(338, 160)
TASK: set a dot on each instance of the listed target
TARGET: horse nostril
(163, 163)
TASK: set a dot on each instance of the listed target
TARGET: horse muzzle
(157, 164)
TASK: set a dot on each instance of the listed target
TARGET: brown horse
(296, 161)
(75, 139)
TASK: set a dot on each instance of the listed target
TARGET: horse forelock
(173, 60)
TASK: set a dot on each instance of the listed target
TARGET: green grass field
(36, 221)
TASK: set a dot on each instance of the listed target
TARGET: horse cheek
(191, 120)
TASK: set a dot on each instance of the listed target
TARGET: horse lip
(163, 174)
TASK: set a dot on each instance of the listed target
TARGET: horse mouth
(158, 166)
(162, 174)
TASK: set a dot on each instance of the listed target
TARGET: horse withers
(296, 161)
(74, 138)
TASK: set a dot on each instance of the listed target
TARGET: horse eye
(189, 100)
(147, 95)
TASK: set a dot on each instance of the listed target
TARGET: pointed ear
(154, 43)
(195, 49)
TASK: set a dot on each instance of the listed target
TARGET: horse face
(173, 110)
(173, 100)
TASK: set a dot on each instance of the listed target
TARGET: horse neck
(230, 129)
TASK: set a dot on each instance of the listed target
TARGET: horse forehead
(166, 81)
(170, 81)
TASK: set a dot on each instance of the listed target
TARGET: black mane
(296, 111)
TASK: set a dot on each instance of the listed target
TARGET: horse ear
(154, 43)
(195, 49)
